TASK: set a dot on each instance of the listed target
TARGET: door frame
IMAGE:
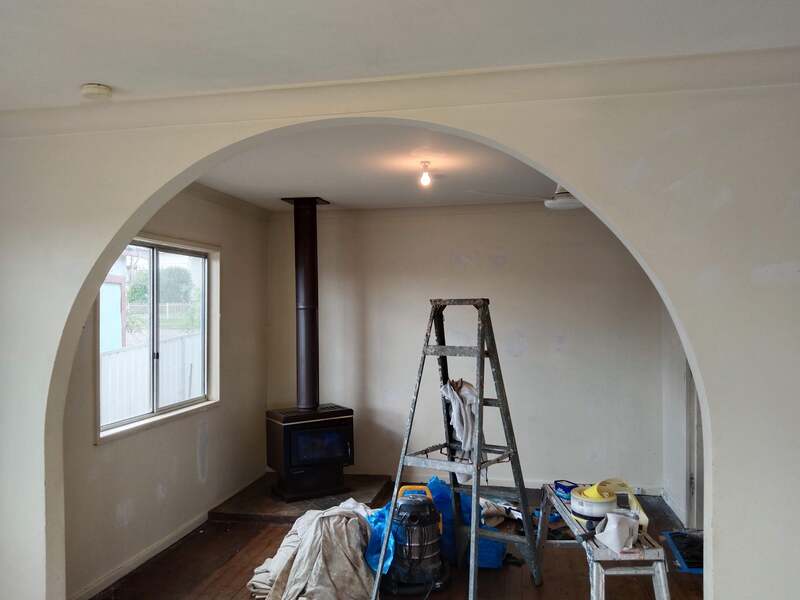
(694, 455)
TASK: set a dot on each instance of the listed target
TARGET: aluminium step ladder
(485, 348)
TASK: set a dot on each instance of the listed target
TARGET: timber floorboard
(215, 561)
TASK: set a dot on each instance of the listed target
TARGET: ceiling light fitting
(563, 200)
(96, 91)
(425, 178)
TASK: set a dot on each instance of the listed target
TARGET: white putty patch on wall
(695, 190)
(786, 273)
(463, 261)
(639, 170)
(559, 343)
(125, 512)
(498, 260)
(161, 492)
(517, 344)
(202, 451)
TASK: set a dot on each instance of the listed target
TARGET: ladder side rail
(444, 377)
(516, 468)
(399, 475)
(477, 451)
(500, 388)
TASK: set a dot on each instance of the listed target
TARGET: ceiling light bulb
(425, 178)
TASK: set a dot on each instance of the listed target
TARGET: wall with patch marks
(130, 497)
(103, 172)
(674, 406)
(577, 321)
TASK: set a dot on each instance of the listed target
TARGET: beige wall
(127, 498)
(577, 324)
(673, 393)
(577, 321)
(690, 161)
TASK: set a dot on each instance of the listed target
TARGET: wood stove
(309, 450)
(310, 444)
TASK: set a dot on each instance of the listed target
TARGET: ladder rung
(647, 570)
(433, 350)
(490, 448)
(491, 402)
(429, 450)
(491, 492)
(459, 301)
(502, 536)
(493, 449)
(438, 465)
(501, 458)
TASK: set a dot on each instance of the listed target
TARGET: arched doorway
(148, 208)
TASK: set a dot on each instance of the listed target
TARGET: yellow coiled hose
(604, 488)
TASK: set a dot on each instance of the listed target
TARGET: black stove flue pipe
(306, 292)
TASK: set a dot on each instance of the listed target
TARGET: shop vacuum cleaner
(417, 567)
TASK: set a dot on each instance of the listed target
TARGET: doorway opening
(581, 326)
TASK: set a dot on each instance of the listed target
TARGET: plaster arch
(204, 160)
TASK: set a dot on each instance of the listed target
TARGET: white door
(694, 455)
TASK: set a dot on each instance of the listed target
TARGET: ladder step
(491, 491)
(491, 402)
(459, 301)
(413, 459)
(433, 350)
(497, 459)
(503, 537)
(438, 465)
(429, 450)
(490, 448)
(493, 449)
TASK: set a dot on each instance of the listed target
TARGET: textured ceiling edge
(519, 84)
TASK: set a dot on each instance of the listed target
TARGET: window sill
(126, 430)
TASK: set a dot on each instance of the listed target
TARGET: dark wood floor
(256, 502)
(216, 560)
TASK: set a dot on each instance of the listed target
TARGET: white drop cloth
(321, 558)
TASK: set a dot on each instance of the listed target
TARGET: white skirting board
(117, 573)
(102, 582)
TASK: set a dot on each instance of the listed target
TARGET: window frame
(157, 414)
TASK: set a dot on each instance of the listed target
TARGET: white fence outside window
(125, 377)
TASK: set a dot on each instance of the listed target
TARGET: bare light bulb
(425, 178)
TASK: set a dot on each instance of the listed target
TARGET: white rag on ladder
(464, 401)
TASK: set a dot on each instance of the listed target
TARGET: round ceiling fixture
(425, 178)
(96, 91)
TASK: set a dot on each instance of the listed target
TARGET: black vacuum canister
(417, 565)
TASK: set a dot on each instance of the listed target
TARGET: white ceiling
(148, 48)
(376, 166)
